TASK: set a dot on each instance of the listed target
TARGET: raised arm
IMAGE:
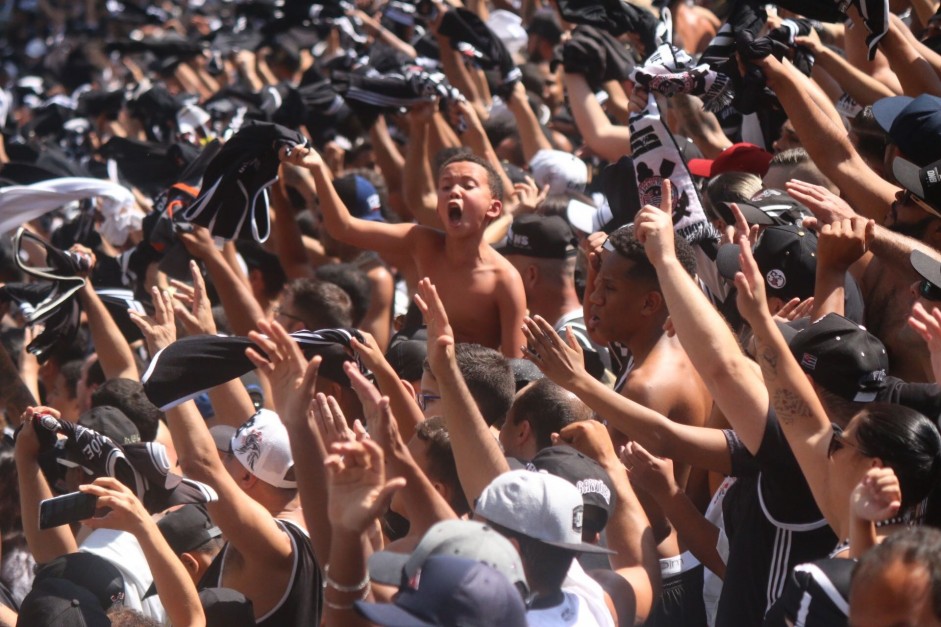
(605, 139)
(563, 363)
(913, 70)
(15, 394)
(174, 585)
(862, 87)
(712, 348)
(287, 236)
(418, 188)
(840, 244)
(381, 237)
(531, 135)
(476, 452)
(799, 411)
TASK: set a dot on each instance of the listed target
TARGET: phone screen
(65, 509)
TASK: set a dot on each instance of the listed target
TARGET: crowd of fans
(509, 312)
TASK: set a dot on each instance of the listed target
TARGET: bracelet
(340, 587)
(348, 606)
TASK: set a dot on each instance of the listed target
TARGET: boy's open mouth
(455, 211)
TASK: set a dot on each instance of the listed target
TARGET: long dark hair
(907, 442)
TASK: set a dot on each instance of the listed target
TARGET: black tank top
(301, 604)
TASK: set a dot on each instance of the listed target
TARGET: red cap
(736, 158)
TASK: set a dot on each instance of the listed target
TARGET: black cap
(768, 207)
(545, 25)
(111, 422)
(62, 603)
(786, 256)
(407, 358)
(913, 125)
(225, 606)
(188, 528)
(581, 471)
(842, 357)
(546, 237)
(924, 182)
(92, 572)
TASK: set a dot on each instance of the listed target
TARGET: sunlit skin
(897, 596)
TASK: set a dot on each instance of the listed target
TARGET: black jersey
(301, 604)
(772, 523)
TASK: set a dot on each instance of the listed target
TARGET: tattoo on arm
(789, 405)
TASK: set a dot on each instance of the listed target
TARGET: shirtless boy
(482, 292)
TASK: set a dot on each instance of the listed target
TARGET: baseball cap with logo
(546, 237)
(913, 125)
(561, 171)
(62, 603)
(786, 256)
(584, 473)
(461, 538)
(842, 357)
(451, 591)
(741, 157)
(768, 207)
(188, 528)
(360, 196)
(261, 445)
(924, 183)
(537, 505)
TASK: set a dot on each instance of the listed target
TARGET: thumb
(384, 499)
(666, 196)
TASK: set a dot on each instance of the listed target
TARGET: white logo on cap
(932, 175)
(520, 241)
(577, 515)
(776, 279)
(594, 486)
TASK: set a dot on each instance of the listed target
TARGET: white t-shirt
(572, 612)
(590, 592)
(122, 549)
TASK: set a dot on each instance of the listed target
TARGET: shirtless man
(626, 306)
(482, 291)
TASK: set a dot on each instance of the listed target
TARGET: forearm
(924, 9)
(476, 138)
(698, 534)
(388, 157)
(241, 308)
(862, 87)
(700, 125)
(174, 586)
(231, 403)
(862, 536)
(531, 135)
(44, 544)
(477, 453)
(606, 140)
(348, 554)
(914, 73)
(308, 452)
(453, 67)
(114, 353)
(199, 458)
(829, 292)
(287, 235)
(419, 187)
(895, 250)
(405, 410)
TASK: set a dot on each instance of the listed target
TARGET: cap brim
(386, 567)
(389, 615)
(222, 436)
(926, 266)
(700, 167)
(753, 214)
(582, 216)
(727, 260)
(581, 547)
(908, 176)
(886, 110)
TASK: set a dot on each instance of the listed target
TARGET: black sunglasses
(837, 442)
(929, 291)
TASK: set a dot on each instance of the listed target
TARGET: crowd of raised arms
(470, 313)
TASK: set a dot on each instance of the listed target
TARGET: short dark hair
(128, 396)
(320, 304)
(489, 379)
(546, 566)
(913, 546)
(354, 282)
(548, 407)
(71, 371)
(441, 464)
(493, 178)
(626, 244)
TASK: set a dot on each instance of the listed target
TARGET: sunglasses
(837, 442)
(929, 291)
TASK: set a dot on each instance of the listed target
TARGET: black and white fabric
(118, 302)
(141, 466)
(657, 157)
(747, 16)
(474, 40)
(615, 16)
(194, 364)
(597, 55)
(233, 200)
(875, 14)
(60, 326)
(670, 71)
(815, 595)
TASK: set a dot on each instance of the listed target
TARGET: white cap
(562, 171)
(508, 27)
(190, 118)
(537, 505)
(262, 446)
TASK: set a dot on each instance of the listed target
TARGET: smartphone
(65, 509)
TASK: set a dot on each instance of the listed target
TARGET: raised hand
(191, 304)
(440, 333)
(652, 474)
(653, 227)
(928, 326)
(301, 156)
(125, 511)
(199, 243)
(826, 206)
(795, 309)
(591, 438)
(878, 496)
(741, 226)
(358, 490)
(160, 329)
(325, 412)
(293, 379)
(843, 241)
(563, 362)
(750, 299)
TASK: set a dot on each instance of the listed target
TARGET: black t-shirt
(922, 397)
(301, 604)
(772, 523)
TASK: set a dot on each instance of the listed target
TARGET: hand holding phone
(66, 509)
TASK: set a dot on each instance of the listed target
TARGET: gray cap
(462, 538)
